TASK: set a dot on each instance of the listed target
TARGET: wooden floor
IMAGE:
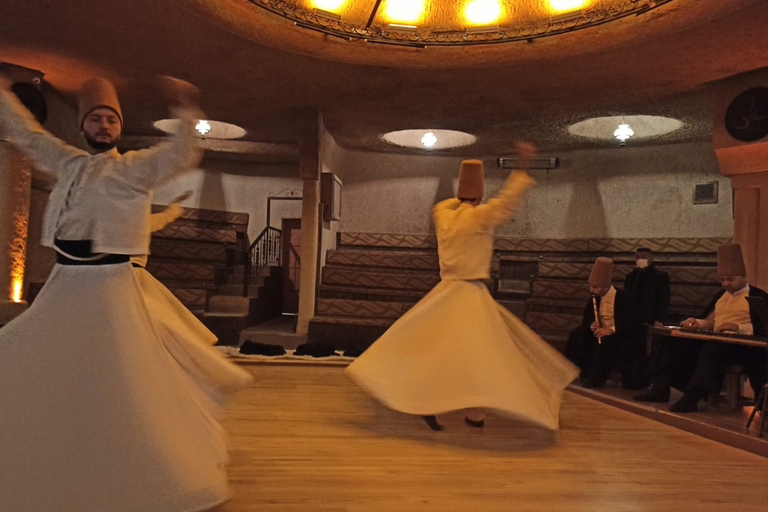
(305, 439)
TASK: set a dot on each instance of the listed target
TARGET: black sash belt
(82, 249)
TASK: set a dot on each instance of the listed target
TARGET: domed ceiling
(256, 66)
(422, 23)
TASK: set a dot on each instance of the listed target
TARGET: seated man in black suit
(610, 335)
(692, 365)
(649, 288)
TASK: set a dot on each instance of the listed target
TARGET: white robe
(97, 416)
(459, 349)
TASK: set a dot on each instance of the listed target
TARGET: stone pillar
(740, 139)
(308, 127)
(15, 190)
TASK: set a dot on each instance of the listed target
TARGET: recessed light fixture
(399, 27)
(207, 128)
(482, 12)
(566, 17)
(431, 139)
(642, 127)
(328, 15)
(489, 29)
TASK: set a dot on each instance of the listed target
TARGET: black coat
(650, 289)
(625, 316)
(757, 323)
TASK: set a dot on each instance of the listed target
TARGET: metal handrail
(265, 250)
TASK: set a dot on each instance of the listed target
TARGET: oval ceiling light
(482, 12)
(429, 139)
(404, 11)
(207, 128)
(561, 6)
(644, 127)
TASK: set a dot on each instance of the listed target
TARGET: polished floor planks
(305, 438)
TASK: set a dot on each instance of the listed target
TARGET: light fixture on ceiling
(206, 128)
(644, 127)
(523, 20)
(566, 17)
(482, 12)
(404, 11)
(560, 6)
(483, 30)
(429, 140)
(327, 5)
(203, 127)
(623, 133)
(399, 27)
(327, 14)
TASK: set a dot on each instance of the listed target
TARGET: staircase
(236, 307)
(200, 256)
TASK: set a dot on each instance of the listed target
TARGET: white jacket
(121, 204)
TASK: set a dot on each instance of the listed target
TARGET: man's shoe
(652, 395)
(474, 423)
(685, 404)
(432, 422)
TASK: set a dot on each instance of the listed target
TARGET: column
(15, 190)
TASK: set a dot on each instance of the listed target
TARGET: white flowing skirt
(96, 415)
(459, 349)
(190, 343)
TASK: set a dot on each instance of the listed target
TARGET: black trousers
(598, 360)
(673, 361)
(714, 355)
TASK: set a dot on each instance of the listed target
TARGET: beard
(98, 145)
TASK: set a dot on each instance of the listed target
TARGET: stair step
(235, 279)
(213, 216)
(229, 304)
(237, 290)
(361, 308)
(191, 296)
(383, 259)
(414, 280)
(181, 271)
(177, 231)
(187, 250)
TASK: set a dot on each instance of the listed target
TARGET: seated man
(610, 334)
(692, 365)
(649, 288)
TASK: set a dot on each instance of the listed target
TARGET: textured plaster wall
(221, 185)
(621, 193)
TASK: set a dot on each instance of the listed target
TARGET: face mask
(641, 263)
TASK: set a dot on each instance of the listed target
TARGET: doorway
(291, 264)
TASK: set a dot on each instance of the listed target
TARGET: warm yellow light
(328, 5)
(559, 6)
(16, 293)
(404, 11)
(482, 12)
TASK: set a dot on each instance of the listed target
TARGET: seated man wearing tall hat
(610, 334)
(693, 365)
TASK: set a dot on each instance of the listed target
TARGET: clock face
(747, 116)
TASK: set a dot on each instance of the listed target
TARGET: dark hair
(644, 249)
